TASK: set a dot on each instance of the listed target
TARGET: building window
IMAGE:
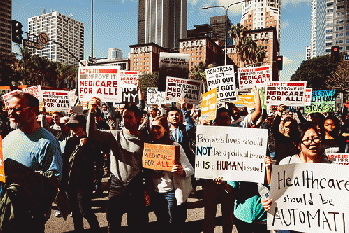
(328, 44)
(328, 37)
(347, 48)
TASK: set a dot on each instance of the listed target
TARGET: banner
(209, 105)
(55, 100)
(254, 76)
(230, 152)
(188, 89)
(245, 101)
(288, 93)
(222, 77)
(309, 197)
(339, 158)
(155, 97)
(160, 156)
(322, 101)
(99, 81)
(308, 95)
(2, 168)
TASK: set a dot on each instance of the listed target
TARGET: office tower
(162, 22)
(63, 30)
(329, 26)
(5, 22)
(308, 52)
(220, 25)
(258, 14)
(114, 53)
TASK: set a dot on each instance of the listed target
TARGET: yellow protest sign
(160, 156)
(209, 104)
(2, 171)
(245, 101)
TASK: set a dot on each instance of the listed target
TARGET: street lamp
(226, 25)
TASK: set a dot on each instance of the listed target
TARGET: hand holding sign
(178, 170)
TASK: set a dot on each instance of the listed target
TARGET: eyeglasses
(308, 141)
(17, 110)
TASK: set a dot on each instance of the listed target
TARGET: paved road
(194, 220)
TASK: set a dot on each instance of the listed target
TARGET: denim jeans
(169, 215)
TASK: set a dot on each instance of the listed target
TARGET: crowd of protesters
(71, 153)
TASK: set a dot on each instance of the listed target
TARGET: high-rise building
(163, 22)
(308, 52)
(63, 30)
(329, 26)
(258, 14)
(220, 25)
(114, 53)
(5, 22)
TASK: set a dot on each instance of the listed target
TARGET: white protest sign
(254, 76)
(289, 93)
(339, 158)
(72, 97)
(129, 78)
(35, 91)
(55, 100)
(309, 197)
(99, 81)
(308, 95)
(155, 97)
(222, 77)
(188, 89)
(230, 152)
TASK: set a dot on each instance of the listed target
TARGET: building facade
(329, 26)
(5, 22)
(258, 14)
(63, 30)
(220, 25)
(114, 53)
(162, 22)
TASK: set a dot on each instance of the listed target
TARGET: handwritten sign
(322, 101)
(288, 93)
(339, 158)
(130, 95)
(155, 97)
(55, 100)
(2, 170)
(99, 81)
(176, 88)
(209, 105)
(222, 77)
(309, 198)
(230, 152)
(245, 101)
(254, 76)
(160, 156)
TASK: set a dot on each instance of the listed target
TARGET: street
(194, 220)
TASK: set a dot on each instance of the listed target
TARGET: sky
(115, 23)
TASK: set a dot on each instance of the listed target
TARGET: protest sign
(308, 95)
(160, 156)
(2, 169)
(339, 158)
(129, 78)
(174, 64)
(254, 76)
(288, 93)
(35, 91)
(222, 77)
(129, 94)
(155, 97)
(309, 197)
(209, 105)
(99, 81)
(231, 153)
(245, 101)
(4, 90)
(176, 88)
(322, 101)
(55, 100)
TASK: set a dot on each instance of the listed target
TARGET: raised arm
(258, 111)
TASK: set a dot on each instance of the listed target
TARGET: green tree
(148, 80)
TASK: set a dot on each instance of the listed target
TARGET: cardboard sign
(309, 197)
(2, 169)
(339, 158)
(230, 152)
(254, 76)
(308, 95)
(55, 100)
(288, 93)
(222, 77)
(99, 81)
(155, 97)
(160, 156)
(245, 101)
(176, 88)
(322, 101)
(209, 105)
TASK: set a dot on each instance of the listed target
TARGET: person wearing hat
(78, 164)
